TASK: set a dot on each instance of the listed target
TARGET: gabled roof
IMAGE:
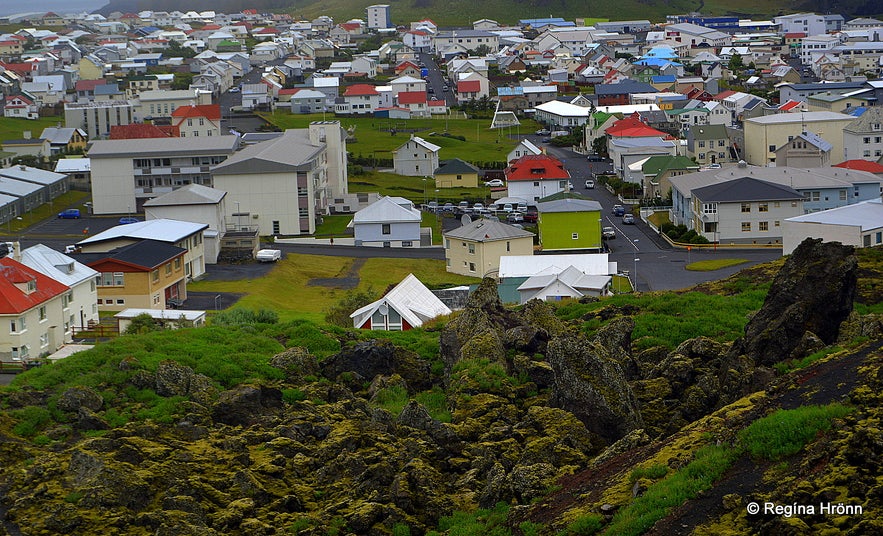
(530, 265)
(422, 143)
(410, 298)
(568, 205)
(89, 85)
(662, 163)
(144, 255)
(708, 132)
(536, 166)
(162, 230)
(861, 165)
(469, 86)
(60, 135)
(56, 265)
(411, 97)
(357, 90)
(455, 166)
(14, 300)
(746, 189)
(571, 277)
(211, 112)
(388, 210)
(283, 153)
(191, 194)
(485, 230)
(815, 141)
(633, 127)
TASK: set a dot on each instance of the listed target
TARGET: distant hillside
(463, 12)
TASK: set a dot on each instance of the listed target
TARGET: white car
(268, 255)
(494, 183)
(590, 183)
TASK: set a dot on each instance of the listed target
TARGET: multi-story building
(126, 173)
(863, 138)
(476, 248)
(157, 104)
(194, 121)
(96, 118)
(763, 135)
(808, 23)
(416, 158)
(470, 40)
(708, 144)
(379, 17)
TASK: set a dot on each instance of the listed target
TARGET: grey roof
(569, 205)
(867, 215)
(865, 122)
(291, 151)
(147, 254)
(816, 141)
(191, 194)
(388, 210)
(626, 86)
(162, 229)
(56, 265)
(805, 117)
(746, 189)
(60, 134)
(826, 86)
(455, 165)
(32, 174)
(163, 147)
(486, 230)
(797, 178)
(17, 188)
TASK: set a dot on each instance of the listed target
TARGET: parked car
(71, 248)
(463, 206)
(269, 255)
(590, 184)
(128, 219)
(594, 158)
(543, 132)
(531, 217)
(569, 185)
(547, 140)
(607, 233)
(70, 214)
(478, 208)
(494, 183)
(449, 207)
(618, 210)
(628, 219)
(521, 207)
(234, 90)
(515, 217)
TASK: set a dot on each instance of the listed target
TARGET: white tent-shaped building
(408, 305)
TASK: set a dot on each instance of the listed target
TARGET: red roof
(14, 300)
(211, 112)
(405, 65)
(418, 32)
(633, 127)
(289, 91)
(724, 94)
(89, 85)
(136, 131)
(412, 97)
(861, 165)
(469, 86)
(211, 27)
(794, 35)
(22, 98)
(268, 30)
(360, 89)
(350, 26)
(439, 102)
(536, 167)
(790, 105)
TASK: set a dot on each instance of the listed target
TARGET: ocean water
(11, 7)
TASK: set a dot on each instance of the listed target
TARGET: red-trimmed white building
(408, 305)
(34, 311)
(415, 101)
(437, 107)
(534, 177)
(360, 99)
(196, 121)
(21, 107)
(418, 40)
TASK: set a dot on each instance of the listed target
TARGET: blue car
(70, 214)
(618, 210)
(124, 220)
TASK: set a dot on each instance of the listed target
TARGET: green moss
(785, 432)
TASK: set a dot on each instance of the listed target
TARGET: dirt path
(347, 281)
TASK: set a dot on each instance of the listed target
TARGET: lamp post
(636, 274)
(424, 189)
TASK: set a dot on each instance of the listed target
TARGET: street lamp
(424, 189)
(636, 273)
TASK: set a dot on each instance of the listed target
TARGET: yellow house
(147, 275)
(89, 69)
(475, 248)
(763, 135)
(456, 173)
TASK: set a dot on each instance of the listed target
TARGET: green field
(373, 139)
(13, 129)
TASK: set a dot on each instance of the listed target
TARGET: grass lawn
(714, 264)
(372, 137)
(658, 218)
(285, 289)
(334, 225)
(72, 199)
(13, 128)
(413, 188)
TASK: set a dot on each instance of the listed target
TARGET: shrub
(393, 399)
(30, 420)
(785, 432)
(436, 403)
(339, 313)
(585, 525)
(142, 323)
(654, 472)
(242, 317)
(291, 396)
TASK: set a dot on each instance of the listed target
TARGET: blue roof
(663, 78)
(553, 21)
(661, 52)
(510, 91)
(856, 111)
(657, 62)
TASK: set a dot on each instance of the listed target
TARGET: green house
(569, 221)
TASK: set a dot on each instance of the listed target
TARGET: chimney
(16, 250)
(26, 134)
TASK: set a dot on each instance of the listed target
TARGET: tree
(736, 63)
(599, 146)
(182, 80)
(339, 313)
(177, 51)
(143, 323)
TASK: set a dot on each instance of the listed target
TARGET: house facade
(475, 249)
(388, 222)
(416, 158)
(407, 305)
(568, 223)
(456, 173)
(763, 135)
(533, 177)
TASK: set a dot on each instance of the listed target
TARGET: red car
(531, 217)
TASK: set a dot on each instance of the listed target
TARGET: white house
(568, 283)
(408, 305)
(859, 225)
(194, 203)
(524, 148)
(416, 158)
(388, 222)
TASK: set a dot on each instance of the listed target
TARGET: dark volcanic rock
(245, 404)
(80, 397)
(813, 292)
(296, 362)
(477, 332)
(590, 384)
(174, 379)
(379, 357)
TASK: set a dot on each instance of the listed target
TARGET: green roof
(708, 132)
(657, 165)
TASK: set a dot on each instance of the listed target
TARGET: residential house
(456, 173)
(38, 147)
(308, 101)
(863, 138)
(358, 99)
(64, 140)
(408, 84)
(80, 306)
(256, 97)
(805, 150)
(859, 225)
(471, 86)
(476, 248)
(407, 305)
(523, 148)
(20, 106)
(569, 283)
(744, 210)
(533, 177)
(658, 171)
(709, 144)
(128, 172)
(379, 16)
(388, 222)
(516, 270)
(415, 102)
(418, 40)
(286, 184)
(194, 121)
(568, 221)
(147, 274)
(34, 310)
(416, 158)
(763, 135)
(197, 204)
(618, 94)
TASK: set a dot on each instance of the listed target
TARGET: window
(22, 324)
(447, 244)
(154, 275)
(407, 243)
(746, 207)
(866, 240)
(177, 264)
(763, 226)
(746, 226)
(168, 268)
(701, 156)
(44, 340)
(763, 207)
(776, 223)
(574, 236)
(471, 266)
(812, 196)
(508, 246)
(866, 139)
(709, 208)
(772, 148)
(702, 144)
(385, 228)
(879, 237)
(42, 311)
(471, 249)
